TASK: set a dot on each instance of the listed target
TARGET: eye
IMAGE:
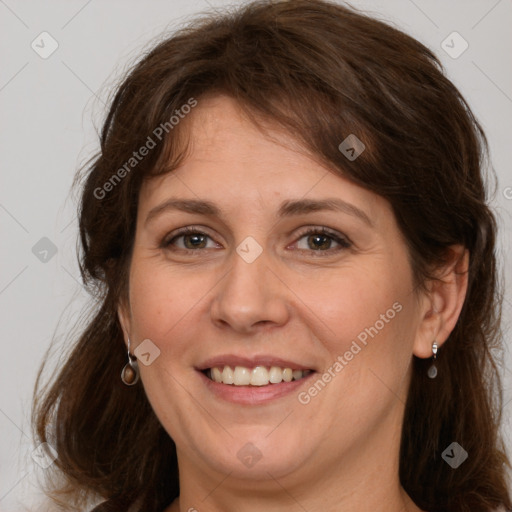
(187, 239)
(314, 239)
(322, 240)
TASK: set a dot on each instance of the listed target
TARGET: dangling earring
(130, 372)
(432, 371)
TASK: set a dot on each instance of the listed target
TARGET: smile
(257, 376)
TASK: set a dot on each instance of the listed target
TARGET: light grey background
(50, 109)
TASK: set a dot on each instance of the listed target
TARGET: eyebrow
(287, 208)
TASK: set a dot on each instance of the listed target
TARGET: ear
(124, 316)
(441, 305)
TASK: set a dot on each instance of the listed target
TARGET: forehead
(230, 159)
(222, 135)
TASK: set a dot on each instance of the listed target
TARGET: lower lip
(253, 395)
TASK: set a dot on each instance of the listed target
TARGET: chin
(256, 456)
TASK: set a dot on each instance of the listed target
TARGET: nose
(250, 296)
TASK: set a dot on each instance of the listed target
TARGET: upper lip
(250, 362)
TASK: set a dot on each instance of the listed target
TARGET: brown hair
(322, 71)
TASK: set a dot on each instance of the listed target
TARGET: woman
(288, 235)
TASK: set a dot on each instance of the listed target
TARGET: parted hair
(321, 71)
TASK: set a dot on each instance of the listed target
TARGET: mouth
(253, 380)
(256, 376)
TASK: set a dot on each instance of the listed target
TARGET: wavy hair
(321, 71)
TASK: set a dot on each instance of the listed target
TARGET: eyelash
(343, 242)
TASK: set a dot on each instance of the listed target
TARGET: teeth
(258, 376)
(242, 376)
(276, 375)
(228, 376)
(216, 374)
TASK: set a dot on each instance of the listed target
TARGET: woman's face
(285, 265)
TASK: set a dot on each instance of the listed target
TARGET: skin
(295, 301)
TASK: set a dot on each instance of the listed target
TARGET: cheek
(368, 331)
(161, 300)
(351, 305)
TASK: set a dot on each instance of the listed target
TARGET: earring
(130, 372)
(432, 371)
